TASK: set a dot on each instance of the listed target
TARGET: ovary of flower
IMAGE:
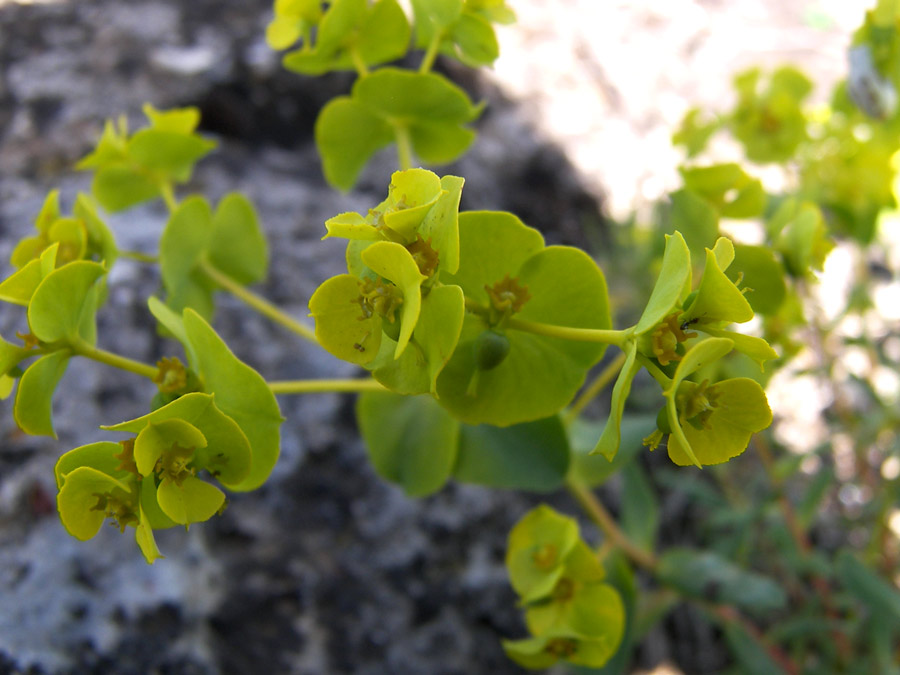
(666, 338)
(507, 295)
(173, 464)
(698, 405)
(376, 297)
(121, 510)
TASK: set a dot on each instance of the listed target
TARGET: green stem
(664, 380)
(595, 510)
(139, 257)
(322, 386)
(168, 195)
(258, 303)
(606, 376)
(404, 146)
(361, 68)
(610, 337)
(431, 53)
(82, 348)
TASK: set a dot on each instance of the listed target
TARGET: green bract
(770, 123)
(230, 240)
(727, 188)
(556, 285)
(415, 443)
(83, 235)
(424, 108)
(352, 34)
(572, 614)
(801, 237)
(136, 168)
(461, 29)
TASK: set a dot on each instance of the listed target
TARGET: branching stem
(322, 386)
(431, 53)
(404, 146)
(258, 303)
(82, 348)
(610, 337)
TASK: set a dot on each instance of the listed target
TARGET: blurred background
(328, 569)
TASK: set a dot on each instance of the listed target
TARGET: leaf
(760, 272)
(11, 356)
(241, 393)
(752, 657)
(99, 456)
(143, 535)
(640, 509)
(473, 41)
(530, 456)
(566, 288)
(194, 501)
(173, 323)
(434, 339)
(184, 240)
(674, 276)
(695, 219)
(393, 262)
(699, 356)
(706, 576)
(441, 224)
(237, 245)
(717, 299)
(341, 326)
(593, 470)
(77, 498)
(227, 454)
(411, 440)
(876, 594)
(118, 188)
(20, 286)
(58, 306)
(609, 441)
(538, 544)
(34, 396)
(169, 152)
(347, 135)
(741, 410)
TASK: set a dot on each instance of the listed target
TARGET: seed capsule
(491, 348)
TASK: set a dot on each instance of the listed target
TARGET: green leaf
(728, 188)
(740, 410)
(760, 272)
(63, 301)
(182, 246)
(874, 592)
(750, 655)
(79, 495)
(34, 396)
(434, 339)
(640, 508)
(237, 245)
(341, 326)
(194, 501)
(538, 545)
(20, 286)
(227, 454)
(695, 219)
(241, 393)
(120, 187)
(473, 41)
(674, 276)
(493, 245)
(707, 576)
(754, 347)
(441, 224)
(592, 470)
(432, 16)
(99, 456)
(102, 241)
(411, 440)
(699, 356)
(530, 456)
(11, 356)
(173, 323)
(717, 299)
(393, 262)
(347, 135)
(169, 152)
(143, 535)
(610, 439)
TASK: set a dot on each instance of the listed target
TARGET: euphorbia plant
(477, 335)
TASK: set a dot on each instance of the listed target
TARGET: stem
(598, 513)
(361, 68)
(610, 337)
(258, 303)
(321, 386)
(139, 257)
(664, 380)
(606, 376)
(431, 53)
(168, 195)
(82, 348)
(404, 146)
